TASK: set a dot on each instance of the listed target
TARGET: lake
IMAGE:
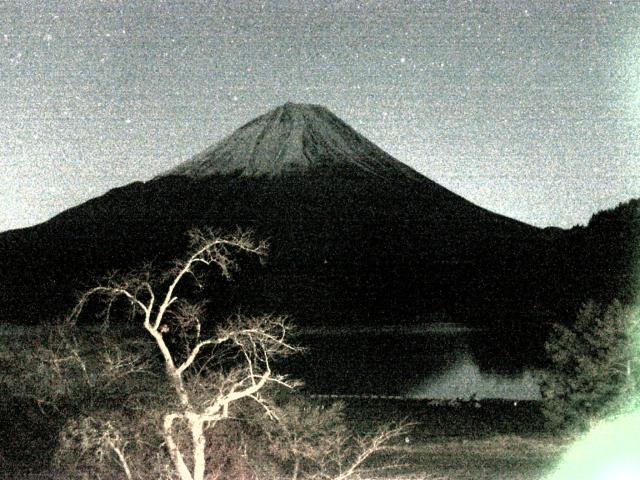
(439, 361)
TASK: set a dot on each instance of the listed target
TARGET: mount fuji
(357, 237)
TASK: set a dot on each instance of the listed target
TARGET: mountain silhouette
(357, 238)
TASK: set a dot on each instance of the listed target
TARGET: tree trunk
(198, 441)
(174, 451)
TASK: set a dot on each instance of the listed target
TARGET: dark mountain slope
(345, 247)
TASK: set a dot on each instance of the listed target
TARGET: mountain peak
(299, 107)
(292, 137)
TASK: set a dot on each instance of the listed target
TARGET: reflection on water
(441, 361)
(465, 381)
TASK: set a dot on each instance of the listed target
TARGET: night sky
(529, 109)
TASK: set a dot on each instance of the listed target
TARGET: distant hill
(603, 257)
(356, 237)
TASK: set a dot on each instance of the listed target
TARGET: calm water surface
(443, 361)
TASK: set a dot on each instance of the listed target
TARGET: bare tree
(205, 376)
(317, 444)
(201, 404)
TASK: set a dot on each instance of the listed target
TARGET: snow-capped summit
(292, 137)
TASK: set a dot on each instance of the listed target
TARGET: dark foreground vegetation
(168, 396)
(497, 440)
(595, 375)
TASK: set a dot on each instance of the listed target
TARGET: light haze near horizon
(529, 109)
